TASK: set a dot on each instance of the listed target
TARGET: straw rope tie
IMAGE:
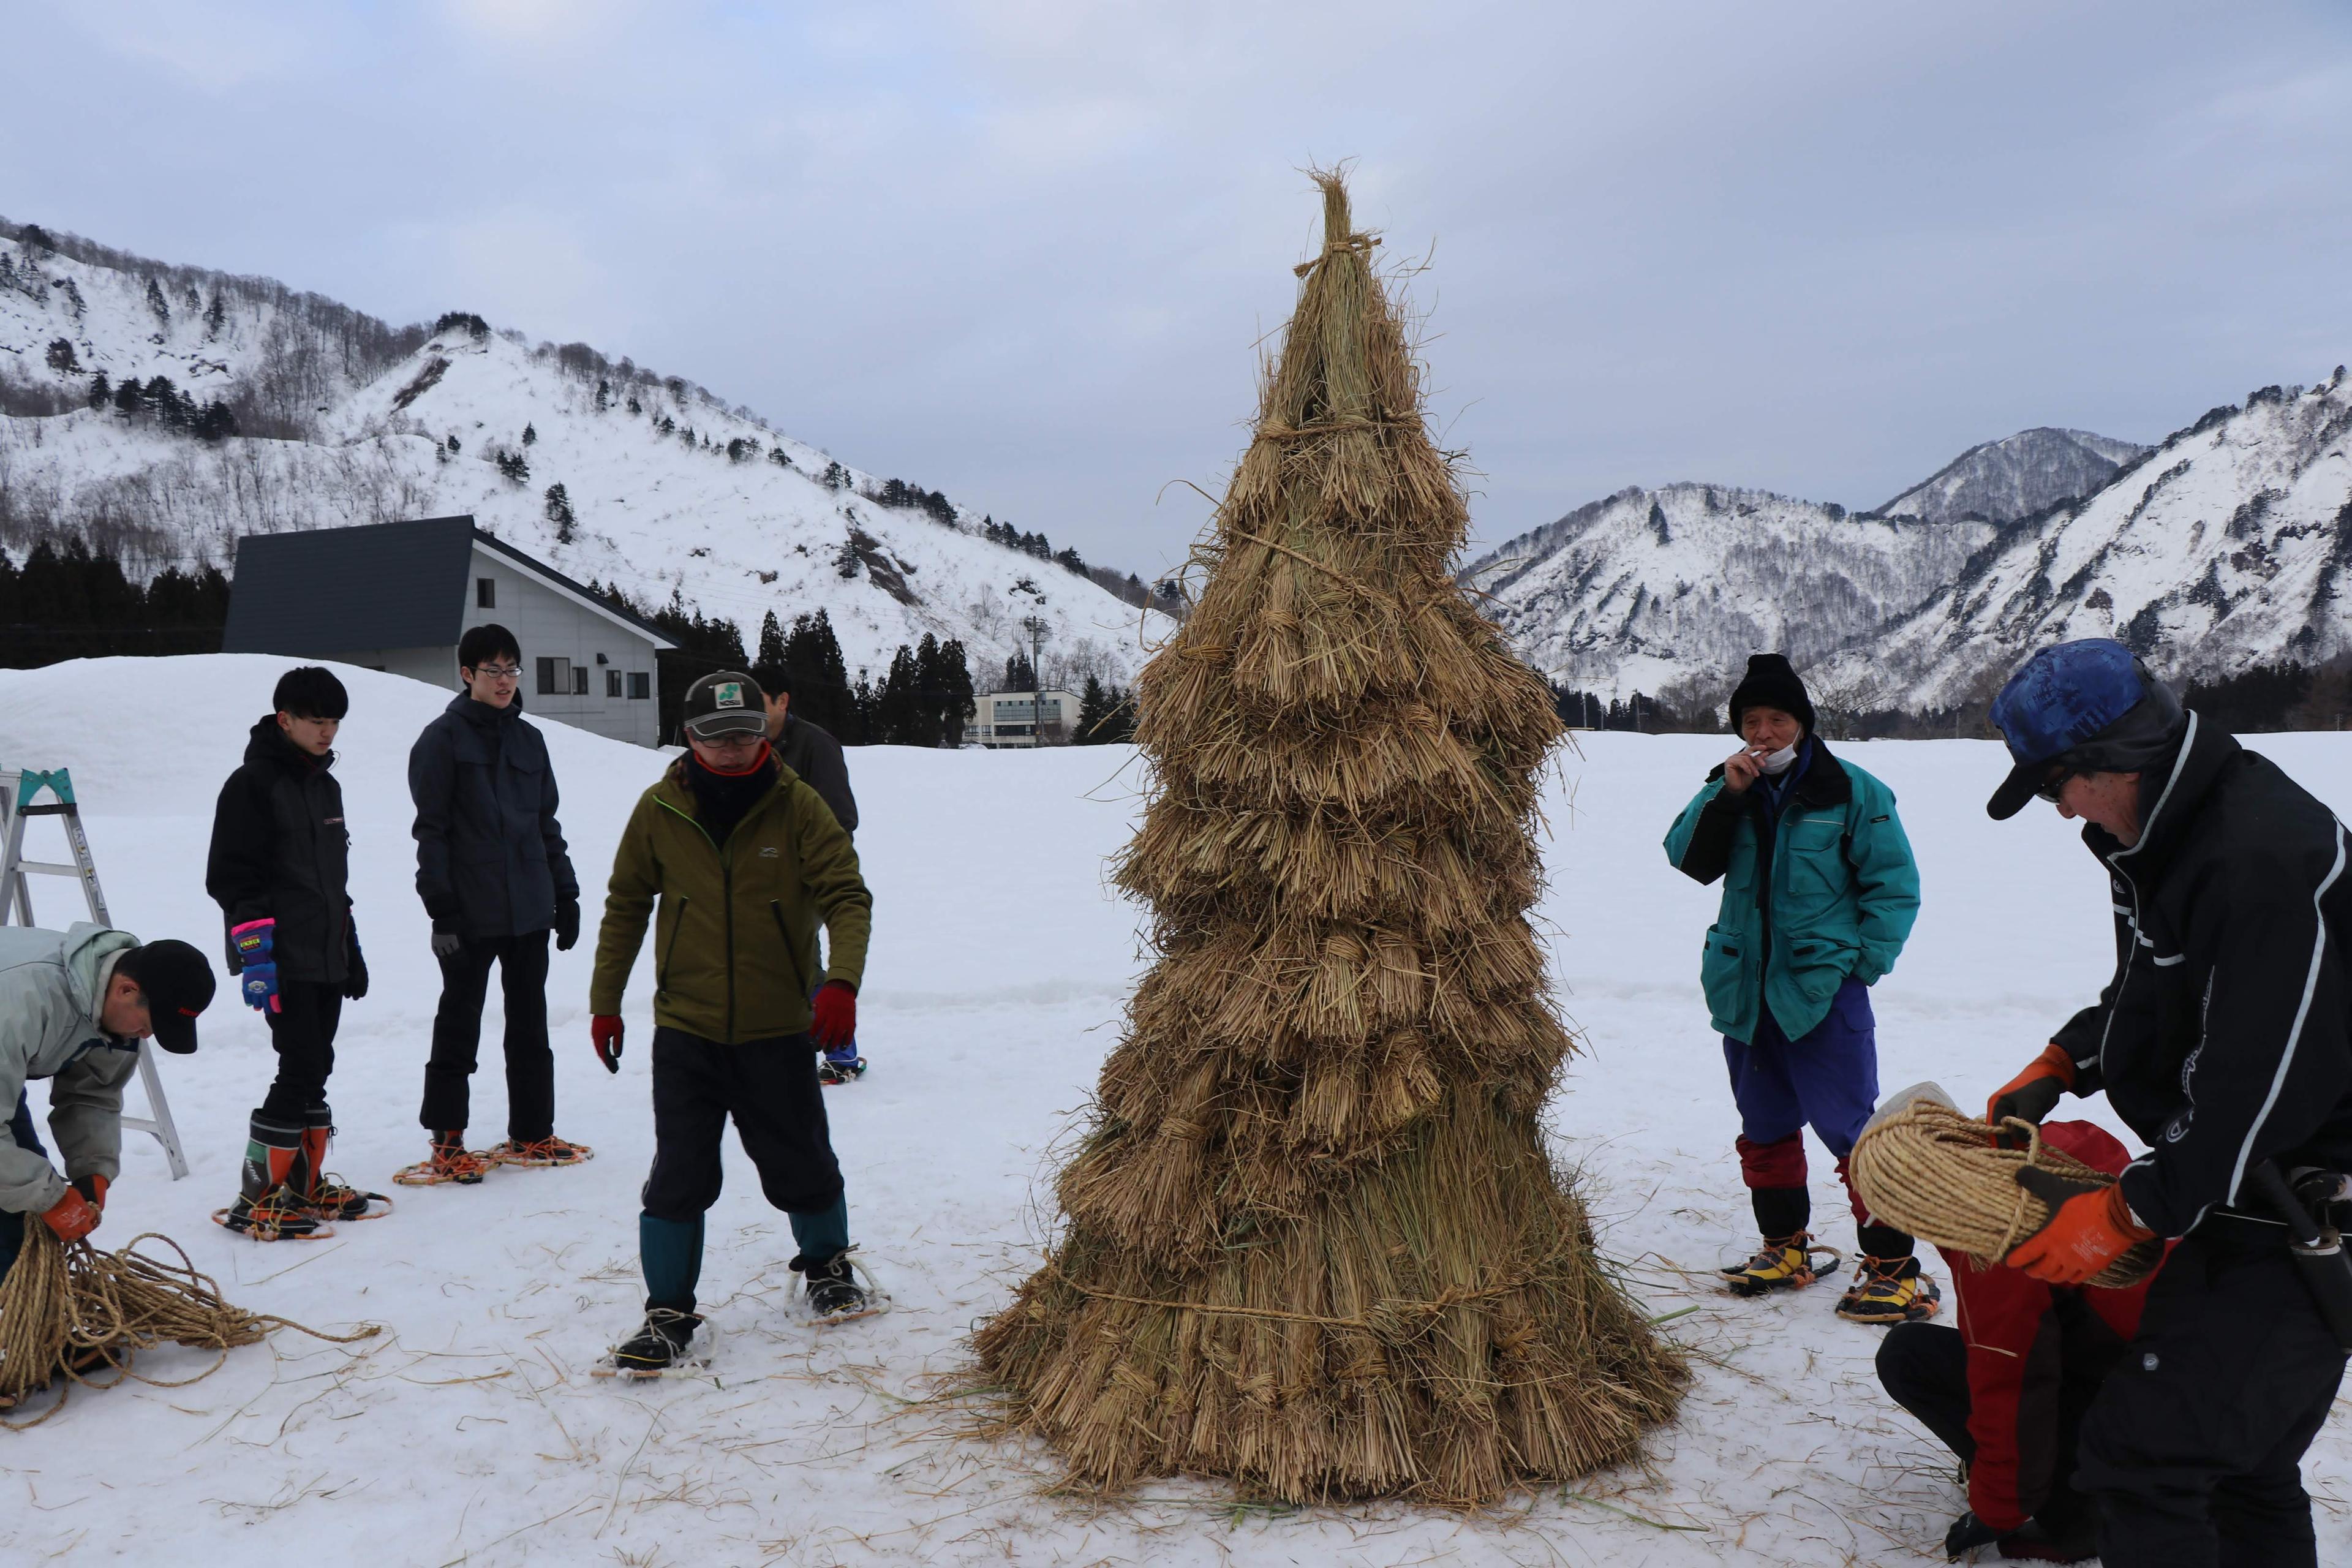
(1388, 1321)
(1361, 244)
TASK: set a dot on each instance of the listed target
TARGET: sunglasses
(2056, 782)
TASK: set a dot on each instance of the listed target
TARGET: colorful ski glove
(446, 939)
(2090, 1226)
(836, 1014)
(72, 1216)
(567, 924)
(92, 1187)
(258, 971)
(604, 1034)
(2035, 1093)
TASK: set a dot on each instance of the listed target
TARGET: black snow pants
(2193, 1447)
(770, 1088)
(457, 1035)
(303, 1030)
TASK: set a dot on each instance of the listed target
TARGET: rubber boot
(268, 1207)
(329, 1197)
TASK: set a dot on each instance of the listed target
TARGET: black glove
(2030, 1102)
(446, 939)
(567, 924)
(355, 975)
(1967, 1533)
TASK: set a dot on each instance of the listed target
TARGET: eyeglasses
(498, 671)
(2056, 782)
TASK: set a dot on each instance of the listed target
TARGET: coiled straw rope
(66, 1299)
(1931, 1170)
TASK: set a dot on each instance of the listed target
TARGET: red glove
(93, 1188)
(72, 1216)
(604, 1034)
(2035, 1093)
(836, 1014)
(2090, 1226)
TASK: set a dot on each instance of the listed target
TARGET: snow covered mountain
(602, 468)
(2000, 482)
(2227, 546)
(1651, 589)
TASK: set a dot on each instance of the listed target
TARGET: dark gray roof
(323, 591)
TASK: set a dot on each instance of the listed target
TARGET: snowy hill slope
(2227, 546)
(668, 489)
(2000, 482)
(1650, 588)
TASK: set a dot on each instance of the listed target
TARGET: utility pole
(1039, 630)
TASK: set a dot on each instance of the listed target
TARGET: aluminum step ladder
(19, 789)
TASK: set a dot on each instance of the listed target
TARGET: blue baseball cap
(2069, 695)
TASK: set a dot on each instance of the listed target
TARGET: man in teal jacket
(1819, 893)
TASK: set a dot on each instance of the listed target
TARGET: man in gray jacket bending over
(73, 1007)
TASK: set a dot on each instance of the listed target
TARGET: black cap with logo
(725, 703)
(177, 980)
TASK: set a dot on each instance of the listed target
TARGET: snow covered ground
(470, 1432)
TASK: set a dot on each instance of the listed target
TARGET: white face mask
(1779, 761)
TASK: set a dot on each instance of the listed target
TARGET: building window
(579, 680)
(611, 683)
(486, 593)
(641, 685)
(554, 677)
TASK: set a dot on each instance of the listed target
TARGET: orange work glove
(836, 1014)
(2035, 1093)
(72, 1216)
(93, 1188)
(604, 1034)
(2089, 1227)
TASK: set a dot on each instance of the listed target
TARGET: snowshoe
(1785, 1263)
(835, 1295)
(450, 1161)
(847, 1067)
(663, 1346)
(278, 1215)
(324, 1195)
(1889, 1290)
(548, 1151)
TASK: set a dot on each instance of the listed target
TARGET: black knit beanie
(1771, 683)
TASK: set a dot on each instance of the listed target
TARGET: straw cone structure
(1313, 1240)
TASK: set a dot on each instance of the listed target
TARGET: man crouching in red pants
(2006, 1389)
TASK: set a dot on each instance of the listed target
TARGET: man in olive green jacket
(744, 860)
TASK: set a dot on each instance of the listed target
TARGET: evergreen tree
(771, 662)
(157, 303)
(126, 396)
(101, 390)
(559, 513)
(61, 357)
(1020, 675)
(216, 316)
(957, 705)
(453, 444)
(529, 434)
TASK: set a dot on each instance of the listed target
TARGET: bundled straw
(1312, 1237)
(64, 1299)
(1939, 1173)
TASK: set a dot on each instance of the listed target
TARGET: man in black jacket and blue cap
(496, 878)
(2224, 1040)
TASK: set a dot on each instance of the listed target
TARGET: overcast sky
(1023, 250)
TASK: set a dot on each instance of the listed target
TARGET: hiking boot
(548, 1151)
(268, 1206)
(329, 1196)
(1889, 1290)
(834, 1294)
(450, 1161)
(661, 1344)
(1786, 1263)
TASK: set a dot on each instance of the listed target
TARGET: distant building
(1016, 719)
(396, 596)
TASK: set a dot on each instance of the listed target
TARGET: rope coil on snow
(66, 1299)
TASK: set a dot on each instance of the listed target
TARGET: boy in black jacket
(278, 868)
(495, 877)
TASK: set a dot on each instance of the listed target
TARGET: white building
(396, 596)
(1015, 718)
